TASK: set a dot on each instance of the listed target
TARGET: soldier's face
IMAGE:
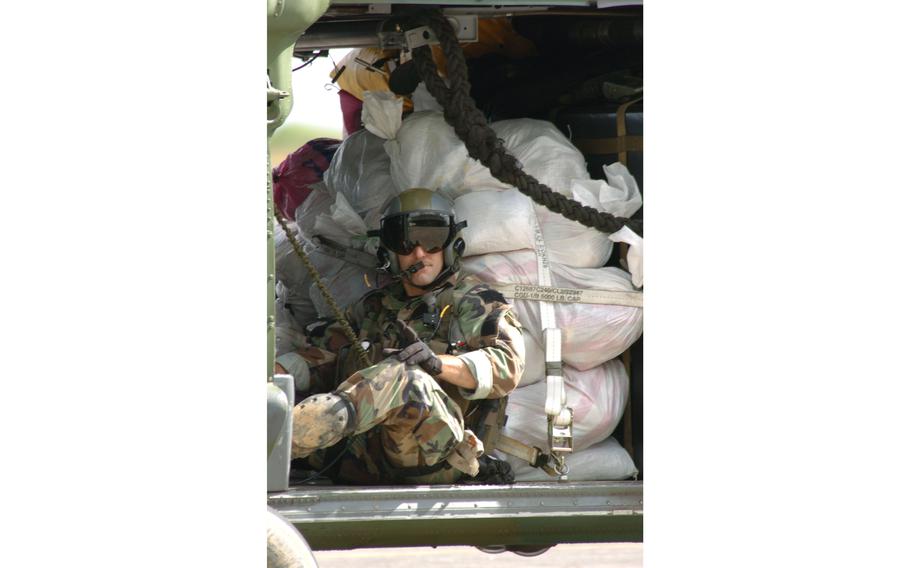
(432, 266)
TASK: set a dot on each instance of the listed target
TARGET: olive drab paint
(417, 199)
(286, 20)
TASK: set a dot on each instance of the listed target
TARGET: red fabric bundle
(292, 179)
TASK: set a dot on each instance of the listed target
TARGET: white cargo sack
(501, 221)
(424, 100)
(539, 147)
(604, 461)
(572, 244)
(295, 285)
(426, 152)
(597, 398)
(498, 221)
(543, 151)
(292, 279)
(569, 242)
(624, 198)
(381, 113)
(327, 215)
(340, 223)
(634, 254)
(423, 149)
(550, 158)
(591, 333)
(360, 171)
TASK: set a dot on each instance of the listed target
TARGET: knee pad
(320, 421)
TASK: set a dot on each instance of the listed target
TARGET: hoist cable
(481, 141)
(333, 305)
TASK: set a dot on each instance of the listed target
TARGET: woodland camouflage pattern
(406, 421)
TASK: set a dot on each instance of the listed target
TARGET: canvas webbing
(350, 255)
(621, 145)
(631, 299)
(624, 249)
(609, 145)
(518, 449)
(556, 389)
(621, 127)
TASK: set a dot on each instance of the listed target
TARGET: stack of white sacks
(334, 239)
(391, 155)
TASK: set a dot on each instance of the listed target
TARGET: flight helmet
(419, 216)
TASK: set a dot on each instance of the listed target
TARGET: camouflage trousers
(405, 424)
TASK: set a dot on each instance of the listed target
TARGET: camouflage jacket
(466, 318)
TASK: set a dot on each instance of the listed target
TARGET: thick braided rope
(481, 141)
(336, 311)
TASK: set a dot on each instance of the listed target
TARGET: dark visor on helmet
(402, 233)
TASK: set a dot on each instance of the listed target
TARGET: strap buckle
(559, 432)
(556, 467)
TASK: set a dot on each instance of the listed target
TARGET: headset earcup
(458, 246)
(454, 251)
(387, 262)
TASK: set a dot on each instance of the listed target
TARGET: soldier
(446, 348)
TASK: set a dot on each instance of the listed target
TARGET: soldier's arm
(317, 357)
(457, 372)
(496, 361)
(313, 368)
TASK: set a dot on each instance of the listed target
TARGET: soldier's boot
(321, 421)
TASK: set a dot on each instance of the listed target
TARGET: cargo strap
(559, 416)
(624, 248)
(518, 449)
(621, 127)
(553, 464)
(610, 145)
(556, 393)
(621, 145)
(349, 255)
(631, 299)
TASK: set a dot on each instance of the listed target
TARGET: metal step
(544, 513)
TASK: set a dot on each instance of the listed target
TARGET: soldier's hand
(415, 351)
(406, 334)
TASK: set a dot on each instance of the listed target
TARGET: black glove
(415, 351)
